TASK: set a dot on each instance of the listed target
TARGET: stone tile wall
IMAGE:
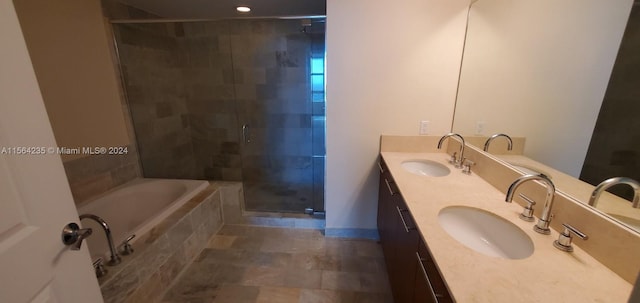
(162, 254)
(192, 86)
(93, 175)
(209, 81)
(152, 60)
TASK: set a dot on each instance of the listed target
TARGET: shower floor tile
(265, 264)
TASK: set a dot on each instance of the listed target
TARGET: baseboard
(356, 233)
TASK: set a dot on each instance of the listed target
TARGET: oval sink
(485, 232)
(426, 168)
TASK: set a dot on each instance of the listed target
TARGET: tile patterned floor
(248, 264)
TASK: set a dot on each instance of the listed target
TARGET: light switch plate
(424, 127)
(480, 127)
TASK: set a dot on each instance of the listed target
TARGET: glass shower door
(282, 129)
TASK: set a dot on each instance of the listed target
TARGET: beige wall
(71, 54)
(388, 67)
(539, 69)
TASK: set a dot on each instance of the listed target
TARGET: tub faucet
(545, 218)
(459, 161)
(115, 259)
(593, 200)
(509, 141)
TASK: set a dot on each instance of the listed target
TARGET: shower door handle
(246, 133)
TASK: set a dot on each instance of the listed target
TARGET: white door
(35, 200)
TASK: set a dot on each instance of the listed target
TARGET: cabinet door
(385, 216)
(429, 286)
(406, 244)
(385, 201)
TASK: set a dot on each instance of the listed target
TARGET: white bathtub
(135, 208)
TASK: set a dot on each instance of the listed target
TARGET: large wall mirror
(541, 70)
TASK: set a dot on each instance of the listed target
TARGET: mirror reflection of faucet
(595, 195)
(509, 141)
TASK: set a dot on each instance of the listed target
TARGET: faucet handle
(127, 249)
(454, 159)
(527, 212)
(564, 239)
(98, 266)
(466, 166)
(458, 161)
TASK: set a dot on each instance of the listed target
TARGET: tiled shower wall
(209, 82)
(191, 86)
(614, 150)
(152, 61)
(271, 60)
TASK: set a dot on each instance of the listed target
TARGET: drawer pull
(426, 277)
(389, 186)
(380, 167)
(404, 223)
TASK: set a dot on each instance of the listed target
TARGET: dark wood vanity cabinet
(412, 273)
(429, 286)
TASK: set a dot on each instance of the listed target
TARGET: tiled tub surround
(95, 174)
(549, 274)
(162, 254)
(135, 208)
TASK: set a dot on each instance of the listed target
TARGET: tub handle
(127, 249)
(98, 266)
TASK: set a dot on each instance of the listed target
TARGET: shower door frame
(253, 131)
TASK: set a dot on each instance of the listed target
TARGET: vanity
(427, 263)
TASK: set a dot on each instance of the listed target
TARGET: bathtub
(135, 208)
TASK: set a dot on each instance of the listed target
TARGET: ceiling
(209, 9)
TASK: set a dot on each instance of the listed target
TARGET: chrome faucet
(593, 200)
(545, 218)
(114, 259)
(459, 161)
(509, 141)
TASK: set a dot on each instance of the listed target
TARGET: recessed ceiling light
(243, 9)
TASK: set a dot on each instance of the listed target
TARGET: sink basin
(426, 168)
(485, 232)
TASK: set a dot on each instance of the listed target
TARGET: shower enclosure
(231, 100)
